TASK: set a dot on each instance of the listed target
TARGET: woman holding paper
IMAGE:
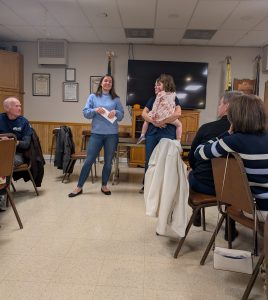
(105, 110)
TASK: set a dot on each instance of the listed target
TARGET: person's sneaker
(141, 139)
(141, 191)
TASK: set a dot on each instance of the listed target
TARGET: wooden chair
(25, 168)
(236, 196)
(189, 137)
(53, 143)
(198, 202)
(7, 156)
(80, 155)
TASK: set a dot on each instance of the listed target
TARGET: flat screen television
(190, 79)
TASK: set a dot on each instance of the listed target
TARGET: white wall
(91, 59)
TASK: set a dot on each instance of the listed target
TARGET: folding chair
(82, 155)
(7, 155)
(236, 196)
(198, 202)
(25, 168)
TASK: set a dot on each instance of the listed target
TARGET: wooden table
(123, 142)
(129, 142)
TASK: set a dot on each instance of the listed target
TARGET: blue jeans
(96, 142)
(152, 140)
(200, 187)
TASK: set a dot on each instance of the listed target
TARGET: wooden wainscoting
(44, 131)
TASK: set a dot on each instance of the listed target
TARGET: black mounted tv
(190, 79)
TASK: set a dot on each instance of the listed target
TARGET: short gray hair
(8, 101)
(228, 95)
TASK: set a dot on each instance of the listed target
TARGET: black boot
(234, 232)
(197, 219)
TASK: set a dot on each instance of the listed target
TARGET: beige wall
(91, 59)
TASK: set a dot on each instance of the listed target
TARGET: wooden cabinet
(11, 76)
(189, 120)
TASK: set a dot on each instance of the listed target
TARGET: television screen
(190, 79)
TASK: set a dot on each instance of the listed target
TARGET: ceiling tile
(135, 14)
(101, 13)
(82, 34)
(168, 36)
(211, 14)
(226, 37)
(174, 13)
(254, 38)
(111, 35)
(68, 14)
(247, 15)
(25, 33)
(8, 17)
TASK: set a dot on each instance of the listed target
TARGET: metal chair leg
(211, 242)
(190, 223)
(10, 199)
(253, 278)
(30, 174)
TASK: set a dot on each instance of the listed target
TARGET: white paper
(105, 115)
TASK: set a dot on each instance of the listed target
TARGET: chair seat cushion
(79, 155)
(22, 167)
(200, 199)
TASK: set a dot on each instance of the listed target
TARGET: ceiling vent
(52, 52)
(146, 33)
(199, 34)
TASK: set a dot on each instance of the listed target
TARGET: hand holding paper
(105, 115)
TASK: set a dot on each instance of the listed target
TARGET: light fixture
(193, 87)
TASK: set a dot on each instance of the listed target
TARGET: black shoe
(71, 195)
(197, 219)
(234, 232)
(106, 192)
(141, 191)
(234, 235)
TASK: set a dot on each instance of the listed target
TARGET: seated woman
(248, 137)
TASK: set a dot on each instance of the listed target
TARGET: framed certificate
(70, 91)
(69, 74)
(94, 83)
(41, 84)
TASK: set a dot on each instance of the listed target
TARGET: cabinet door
(10, 70)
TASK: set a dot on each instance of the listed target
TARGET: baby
(163, 107)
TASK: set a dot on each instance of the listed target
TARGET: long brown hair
(111, 92)
(247, 114)
(168, 82)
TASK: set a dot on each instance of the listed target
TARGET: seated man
(11, 121)
(201, 176)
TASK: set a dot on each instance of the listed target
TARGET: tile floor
(104, 247)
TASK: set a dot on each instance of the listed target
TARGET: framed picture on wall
(69, 74)
(41, 84)
(94, 83)
(70, 91)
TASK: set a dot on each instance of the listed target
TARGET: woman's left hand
(111, 114)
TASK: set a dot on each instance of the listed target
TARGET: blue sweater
(99, 124)
(253, 149)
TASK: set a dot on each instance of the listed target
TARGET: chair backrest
(85, 138)
(7, 154)
(236, 190)
(189, 137)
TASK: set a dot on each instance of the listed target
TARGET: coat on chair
(166, 188)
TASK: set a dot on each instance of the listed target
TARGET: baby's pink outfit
(163, 107)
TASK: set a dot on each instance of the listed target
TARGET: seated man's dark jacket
(202, 170)
(34, 156)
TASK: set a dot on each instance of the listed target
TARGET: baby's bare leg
(178, 125)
